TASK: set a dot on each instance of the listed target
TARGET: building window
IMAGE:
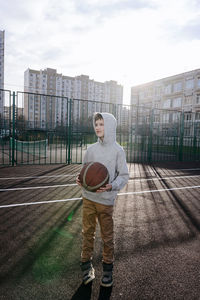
(187, 131)
(156, 104)
(175, 117)
(189, 84)
(148, 104)
(197, 116)
(150, 92)
(167, 103)
(198, 99)
(168, 89)
(141, 95)
(198, 82)
(156, 118)
(188, 100)
(177, 102)
(165, 118)
(177, 87)
(188, 116)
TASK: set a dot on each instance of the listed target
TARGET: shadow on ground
(84, 292)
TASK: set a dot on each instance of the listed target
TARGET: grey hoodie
(110, 154)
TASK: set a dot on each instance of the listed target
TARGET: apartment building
(41, 109)
(8, 113)
(179, 92)
(169, 96)
(2, 45)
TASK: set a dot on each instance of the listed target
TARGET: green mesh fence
(30, 150)
(48, 129)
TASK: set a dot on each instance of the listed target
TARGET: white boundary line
(73, 175)
(37, 187)
(74, 184)
(164, 178)
(172, 170)
(160, 190)
(119, 194)
(38, 177)
(41, 202)
(187, 169)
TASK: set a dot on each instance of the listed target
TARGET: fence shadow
(17, 262)
(83, 292)
(152, 220)
(185, 208)
(105, 293)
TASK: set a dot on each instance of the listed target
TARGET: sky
(130, 41)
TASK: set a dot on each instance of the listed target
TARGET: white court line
(38, 187)
(173, 170)
(164, 178)
(160, 190)
(193, 169)
(38, 177)
(74, 184)
(119, 194)
(41, 202)
(73, 175)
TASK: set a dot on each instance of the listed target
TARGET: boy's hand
(106, 188)
(78, 181)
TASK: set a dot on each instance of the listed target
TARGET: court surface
(157, 234)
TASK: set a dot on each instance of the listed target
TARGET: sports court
(157, 240)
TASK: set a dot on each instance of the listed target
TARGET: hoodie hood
(110, 126)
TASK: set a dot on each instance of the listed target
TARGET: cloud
(178, 20)
(191, 31)
(20, 12)
(108, 8)
(174, 32)
(130, 41)
(47, 55)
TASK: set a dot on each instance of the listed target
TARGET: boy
(99, 206)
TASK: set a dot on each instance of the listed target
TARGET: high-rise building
(2, 43)
(49, 82)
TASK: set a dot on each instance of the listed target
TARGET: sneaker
(107, 279)
(88, 272)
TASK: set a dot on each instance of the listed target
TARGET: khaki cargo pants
(92, 213)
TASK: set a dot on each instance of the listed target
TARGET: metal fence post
(69, 130)
(150, 136)
(194, 142)
(13, 131)
(181, 137)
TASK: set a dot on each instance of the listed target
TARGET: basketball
(93, 175)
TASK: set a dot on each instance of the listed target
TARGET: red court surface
(157, 234)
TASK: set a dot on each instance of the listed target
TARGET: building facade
(2, 46)
(53, 108)
(179, 92)
(8, 112)
(169, 97)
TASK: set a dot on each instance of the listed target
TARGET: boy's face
(99, 128)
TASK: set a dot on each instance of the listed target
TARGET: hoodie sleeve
(122, 172)
(85, 159)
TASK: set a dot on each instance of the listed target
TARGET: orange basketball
(93, 175)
